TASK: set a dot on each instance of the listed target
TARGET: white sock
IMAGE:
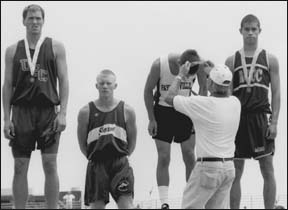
(163, 194)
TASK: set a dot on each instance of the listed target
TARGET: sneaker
(165, 206)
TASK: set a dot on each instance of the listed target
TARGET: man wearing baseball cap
(216, 119)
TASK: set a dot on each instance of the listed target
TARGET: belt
(214, 159)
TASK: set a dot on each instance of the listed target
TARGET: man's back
(216, 121)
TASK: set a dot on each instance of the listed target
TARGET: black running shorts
(172, 125)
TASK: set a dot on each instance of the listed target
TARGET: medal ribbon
(248, 77)
(32, 62)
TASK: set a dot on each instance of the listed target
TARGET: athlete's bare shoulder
(272, 58)
(58, 47)
(129, 112)
(56, 43)
(273, 63)
(174, 56)
(11, 50)
(229, 62)
(156, 65)
(128, 108)
(83, 114)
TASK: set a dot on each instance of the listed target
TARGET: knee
(163, 160)
(125, 202)
(239, 168)
(20, 168)
(189, 156)
(267, 173)
(50, 167)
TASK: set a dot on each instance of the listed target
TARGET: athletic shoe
(165, 206)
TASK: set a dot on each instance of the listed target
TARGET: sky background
(127, 37)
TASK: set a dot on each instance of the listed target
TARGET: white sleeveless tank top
(166, 79)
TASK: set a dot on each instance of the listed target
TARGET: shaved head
(106, 72)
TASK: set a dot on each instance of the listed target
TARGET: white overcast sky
(126, 37)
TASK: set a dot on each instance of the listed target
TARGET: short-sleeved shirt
(216, 122)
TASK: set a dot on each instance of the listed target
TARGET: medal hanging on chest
(248, 75)
(32, 79)
(32, 61)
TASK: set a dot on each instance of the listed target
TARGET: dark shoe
(165, 206)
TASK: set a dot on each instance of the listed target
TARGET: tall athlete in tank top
(253, 71)
(32, 68)
(165, 123)
(107, 135)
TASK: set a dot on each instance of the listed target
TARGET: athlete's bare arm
(7, 92)
(82, 129)
(202, 81)
(131, 128)
(151, 83)
(60, 55)
(229, 63)
(275, 95)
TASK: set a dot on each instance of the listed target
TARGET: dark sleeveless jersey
(43, 88)
(107, 136)
(256, 100)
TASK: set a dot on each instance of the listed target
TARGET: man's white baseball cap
(221, 75)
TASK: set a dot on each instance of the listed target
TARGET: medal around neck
(32, 79)
(248, 75)
(32, 61)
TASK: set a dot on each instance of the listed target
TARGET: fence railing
(247, 201)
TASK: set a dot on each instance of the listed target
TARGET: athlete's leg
(49, 162)
(164, 150)
(125, 202)
(188, 154)
(20, 182)
(235, 193)
(97, 205)
(269, 191)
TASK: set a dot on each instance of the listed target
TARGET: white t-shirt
(215, 120)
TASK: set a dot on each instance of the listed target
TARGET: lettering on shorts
(123, 186)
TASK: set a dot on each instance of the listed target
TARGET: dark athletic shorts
(113, 176)
(172, 125)
(33, 124)
(250, 139)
